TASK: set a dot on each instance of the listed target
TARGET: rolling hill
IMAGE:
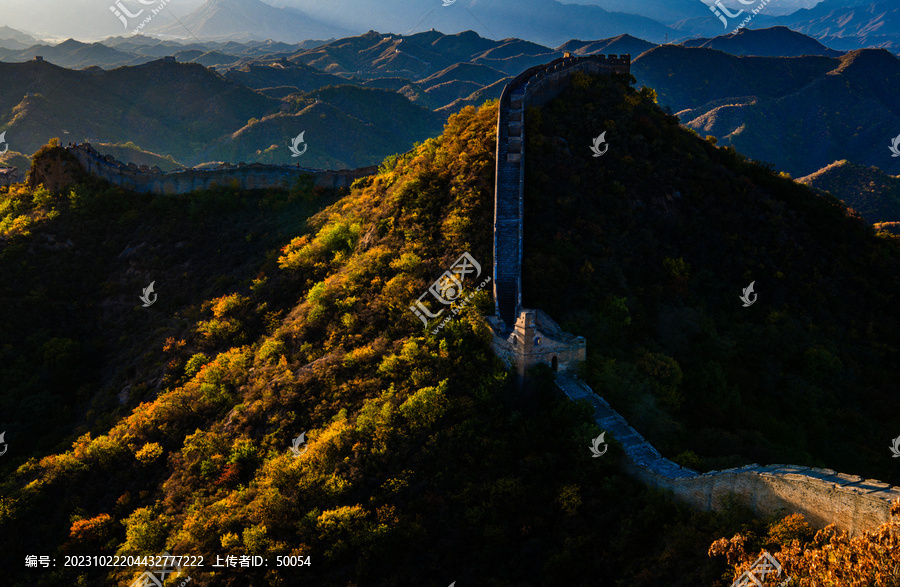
(874, 194)
(617, 45)
(214, 118)
(799, 113)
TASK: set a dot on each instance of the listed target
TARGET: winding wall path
(823, 496)
(534, 86)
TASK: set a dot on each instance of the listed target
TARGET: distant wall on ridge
(143, 179)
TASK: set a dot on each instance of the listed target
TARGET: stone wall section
(823, 496)
(532, 87)
(256, 176)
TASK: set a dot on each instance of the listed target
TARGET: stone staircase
(638, 450)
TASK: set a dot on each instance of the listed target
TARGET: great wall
(144, 179)
(524, 337)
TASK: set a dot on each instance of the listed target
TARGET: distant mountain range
(139, 49)
(839, 24)
(359, 99)
(210, 119)
(13, 39)
(673, 11)
(845, 27)
(777, 41)
(542, 21)
(800, 114)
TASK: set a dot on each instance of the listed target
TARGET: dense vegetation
(646, 251)
(425, 464)
(827, 557)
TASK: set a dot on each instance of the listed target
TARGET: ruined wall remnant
(536, 339)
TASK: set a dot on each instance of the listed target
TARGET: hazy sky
(93, 20)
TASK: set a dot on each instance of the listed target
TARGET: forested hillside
(284, 313)
(646, 251)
